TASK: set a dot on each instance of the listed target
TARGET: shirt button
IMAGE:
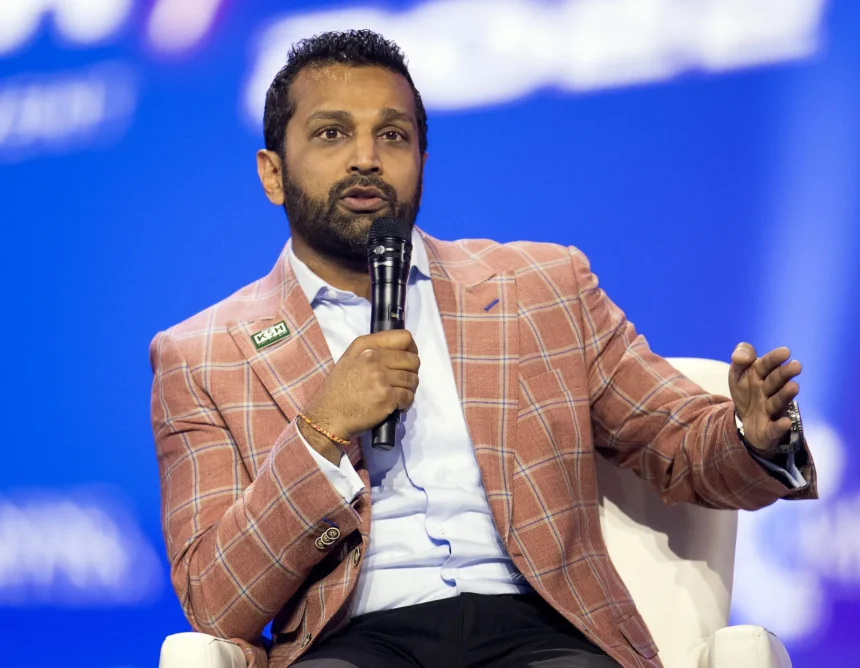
(356, 556)
(306, 640)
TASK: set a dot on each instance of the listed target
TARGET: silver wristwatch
(793, 440)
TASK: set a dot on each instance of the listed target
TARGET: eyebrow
(323, 115)
(387, 115)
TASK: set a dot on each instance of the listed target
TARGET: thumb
(742, 358)
(743, 355)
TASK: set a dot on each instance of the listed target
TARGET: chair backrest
(677, 561)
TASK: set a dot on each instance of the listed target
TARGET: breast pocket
(552, 417)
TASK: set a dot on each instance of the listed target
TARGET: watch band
(793, 440)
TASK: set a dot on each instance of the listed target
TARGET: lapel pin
(270, 335)
(491, 304)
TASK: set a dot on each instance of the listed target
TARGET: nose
(365, 158)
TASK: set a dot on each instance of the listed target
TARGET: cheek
(407, 178)
(312, 178)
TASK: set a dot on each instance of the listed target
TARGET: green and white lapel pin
(270, 335)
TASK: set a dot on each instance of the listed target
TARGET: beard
(337, 234)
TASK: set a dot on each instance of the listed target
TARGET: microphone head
(389, 227)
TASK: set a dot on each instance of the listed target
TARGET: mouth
(363, 200)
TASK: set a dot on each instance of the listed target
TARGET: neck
(337, 272)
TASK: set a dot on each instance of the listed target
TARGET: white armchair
(677, 561)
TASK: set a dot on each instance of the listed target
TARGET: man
(476, 540)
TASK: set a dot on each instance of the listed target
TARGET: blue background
(715, 209)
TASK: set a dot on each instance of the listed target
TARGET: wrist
(320, 442)
(739, 426)
(790, 443)
(323, 421)
(773, 456)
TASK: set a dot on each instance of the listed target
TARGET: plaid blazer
(547, 375)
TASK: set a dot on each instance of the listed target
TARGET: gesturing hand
(762, 388)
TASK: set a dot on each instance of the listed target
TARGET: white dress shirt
(432, 535)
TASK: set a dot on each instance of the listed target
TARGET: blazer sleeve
(238, 548)
(648, 417)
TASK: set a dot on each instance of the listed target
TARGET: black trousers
(468, 631)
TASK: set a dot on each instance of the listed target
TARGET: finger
(403, 379)
(780, 376)
(767, 363)
(777, 429)
(404, 398)
(394, 339)
(778, 403)
(742, 357)
(400, 360)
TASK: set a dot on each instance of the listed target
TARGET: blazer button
(330, 536)
(356, 556)
(306, 640)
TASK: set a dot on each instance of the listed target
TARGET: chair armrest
(198, 650)
(746, 646)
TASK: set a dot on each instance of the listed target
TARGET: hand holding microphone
(377, 375)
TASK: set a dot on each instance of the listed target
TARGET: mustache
(362, 181)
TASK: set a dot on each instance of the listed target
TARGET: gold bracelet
(324, 432)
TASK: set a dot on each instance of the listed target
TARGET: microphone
(389, 256)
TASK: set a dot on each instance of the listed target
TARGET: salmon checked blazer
(549, 372)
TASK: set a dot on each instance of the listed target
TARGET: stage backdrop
(705, 154)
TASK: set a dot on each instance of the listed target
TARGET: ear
(269, 169)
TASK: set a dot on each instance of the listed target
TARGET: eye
(330, 134)
(394, 135)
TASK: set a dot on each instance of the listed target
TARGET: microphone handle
(389, 273)
(384, 435)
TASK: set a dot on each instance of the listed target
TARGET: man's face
(351, 156)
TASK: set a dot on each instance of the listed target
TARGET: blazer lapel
(479, 316)
(293, 367)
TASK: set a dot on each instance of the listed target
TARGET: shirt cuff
(790, 474)
(344, 477)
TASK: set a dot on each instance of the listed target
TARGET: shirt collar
(316, 288)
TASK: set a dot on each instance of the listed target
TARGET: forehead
(361, 91)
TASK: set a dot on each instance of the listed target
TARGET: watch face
(794, 415)
(795, 440)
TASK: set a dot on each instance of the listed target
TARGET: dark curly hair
(353, 47)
